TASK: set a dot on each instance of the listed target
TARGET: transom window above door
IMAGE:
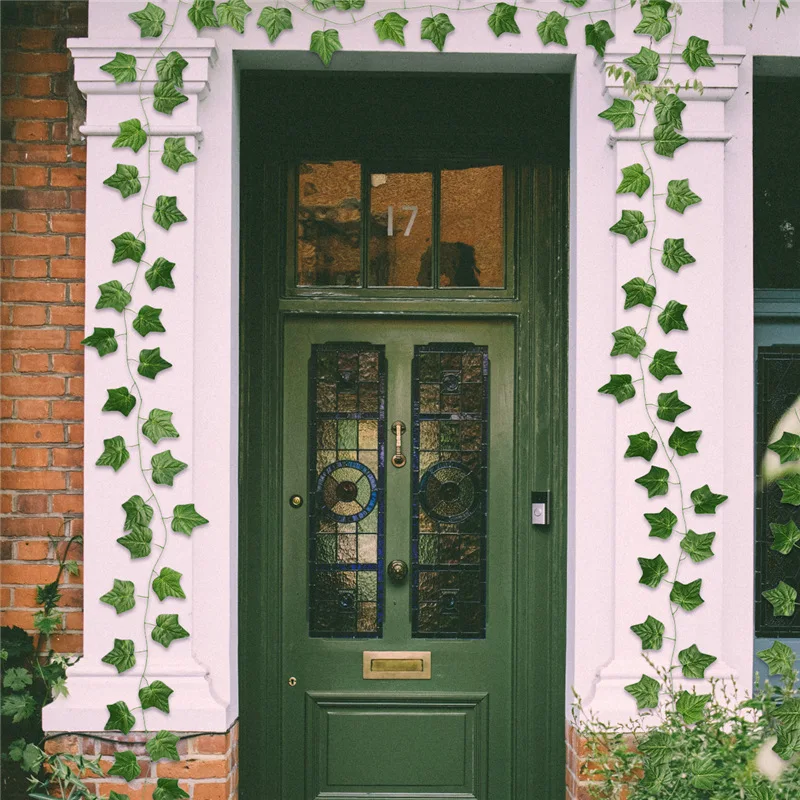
(402, 224)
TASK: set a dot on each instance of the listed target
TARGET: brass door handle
(398, 459)
(397, 571)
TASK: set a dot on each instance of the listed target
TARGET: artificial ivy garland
(658, 19)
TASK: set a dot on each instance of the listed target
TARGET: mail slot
(383, 665)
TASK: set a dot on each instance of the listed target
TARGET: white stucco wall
(607, 532)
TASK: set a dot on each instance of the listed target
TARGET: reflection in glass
(471, 228)
(329, 224)
(347, 397)
(450, 384)
(401, 214)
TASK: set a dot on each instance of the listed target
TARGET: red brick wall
(41, 383)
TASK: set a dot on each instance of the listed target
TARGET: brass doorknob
(397, 571)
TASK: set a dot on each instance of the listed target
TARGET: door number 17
(390, 220)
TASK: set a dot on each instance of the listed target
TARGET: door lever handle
(398, 459)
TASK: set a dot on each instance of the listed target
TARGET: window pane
(401, 205)
(329, 224)
(471, 250)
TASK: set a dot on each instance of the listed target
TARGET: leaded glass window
(449, 490)
(347, 401)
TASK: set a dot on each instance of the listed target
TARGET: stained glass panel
(778, 388)
(449, 490)
(347, 398)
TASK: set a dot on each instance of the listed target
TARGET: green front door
(397, 684)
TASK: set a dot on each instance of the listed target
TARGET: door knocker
(398, 459)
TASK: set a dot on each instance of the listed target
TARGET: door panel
(447, 513)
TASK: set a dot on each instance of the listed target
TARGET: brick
(6, 362)
(30, 222)
(6, 221)
(20, 245)
(33, 432)
(22, 619)
(34, 291)
(37, 63)
(59, 132)
(74, 339)
(76, 246)
(33, 409)
(32, 503)
(6, 504)
(30, 176)
(34, 153)
(68, 176)
(8, 85)
(31, 456)
(67, 315)
(5, 597)
(67, 268)
(75, 480)
(34, 86)
(67, 457)
(29, 315)
(21, 526)
(68, 223)
(32, 550)
(210, 791)
(68, 409)
(6, 456)
(193, 768)
(32, 108)
(29, 574)
(34, 339)
(26, 480)
(33, 386)
(212, 744)
(30, 268)
(78, 153)
(33, 362)
(68, 643)
(75, 387)
(68, 364)
(77, 199)
(68, 503)
(29, 131)
(36, 39)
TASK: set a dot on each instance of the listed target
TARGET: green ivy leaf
(621, 386)
(663, 364)
(126, 765)
(667, 140)
(175, 153)
(120, 400)
(705, 501)
(654, 22)
(502, 19)
(651, 632)
(684, 442)
(121, 596)
(122, 67)
(113, 295)
(671, 318)
(780, 659)
(706, 772)
(148, 320)
(782, 599)
(788, 742)
(658, 747)
(168, 584)
(645, 64)
(163, 745)
(692, 708)
(233, 14)
(436, 29)
(687, 595)
(785, 536)
(638, 292)
(114, 454)
(274, 21)
(670, 406)
(325, 44)
(321, 5)
(121, 655)
(645, 692)
(787, 447)
(16, 679)
(347, 5)
(656, 481)
(19, 707)
(155, 695)
(130, 135)
(634, 179)
(760, 792)
(631, 224)
(696, 53)
(575, 3)
(170, 68)
(675, 255)
(597, 35)
(185, 519)
(627, 342)
(653, 571)
(661, 524)
(166, 97)
(165, 468)
(167, 629)
(151, 363)
(126, 245)
(698, 545)
(160, 274)
(125, 180)
(119, 718)
(391, 27)
(680, 196)
(642, 445)
(138, 541)
(668, 111)
(201, 15)
(695, 663)
(150, 21)
(790, 489)
(159, 426)
(166, 212)
(553, 29)
(137, 513)
(620, 113)
(168, 789)
(47, 622)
